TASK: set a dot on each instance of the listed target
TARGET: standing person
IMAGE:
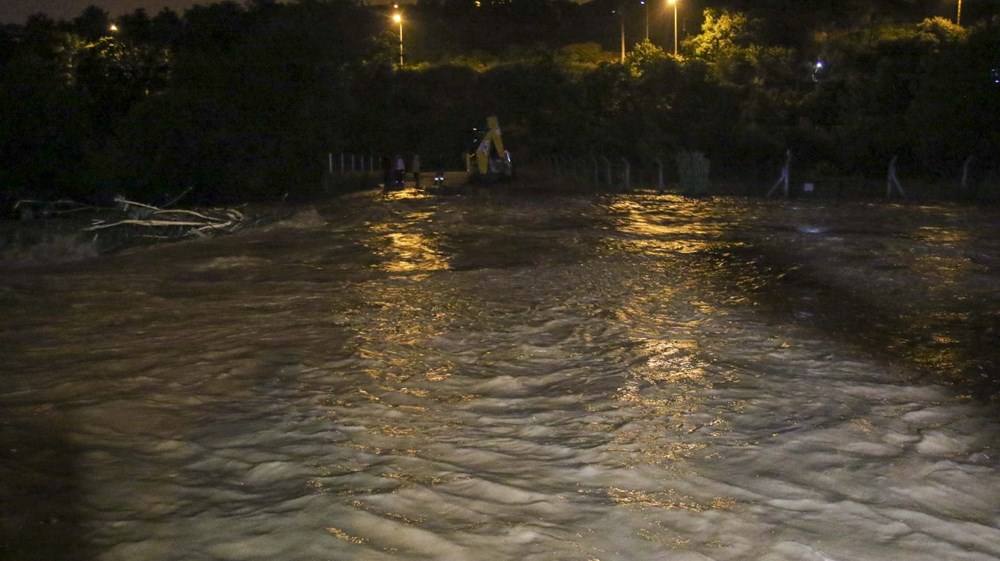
(400, 170)
(386, 172)
(415, 168)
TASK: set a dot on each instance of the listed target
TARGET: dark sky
(17, 11)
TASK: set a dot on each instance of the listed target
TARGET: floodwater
(402, 377)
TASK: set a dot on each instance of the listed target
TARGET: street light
(621, 22)
(674, 4)
(643, 2)
(398, 18)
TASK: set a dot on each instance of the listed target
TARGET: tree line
(244, 101)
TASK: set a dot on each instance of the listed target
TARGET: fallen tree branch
(128, 220)
(187, 212)
(155, 223)
(198, 223)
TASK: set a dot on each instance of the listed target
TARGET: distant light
(819, 71)
(397, 18)
(995, 75)
(112, 28)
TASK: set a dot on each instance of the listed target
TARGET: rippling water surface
(500, 378)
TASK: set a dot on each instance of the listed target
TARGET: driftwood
(121, 225)
(170, 223)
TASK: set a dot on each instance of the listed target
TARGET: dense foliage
(244, 101)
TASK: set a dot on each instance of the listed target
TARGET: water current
(403, 377)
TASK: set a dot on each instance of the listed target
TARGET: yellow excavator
(487, 160)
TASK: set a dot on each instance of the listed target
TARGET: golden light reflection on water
(673, 362)
(653, 233)
(667, 499)
(394, 431)
(669, 537)
(940, 234)
(398, 318)
(942, 255)
(665, 394)
(415, 392)
(438, 374)
(408, 195)
(662, 401)
(405, 519)
(344, 536)
(652, 452)
(409, 251)
(409, 478)
(947, 255)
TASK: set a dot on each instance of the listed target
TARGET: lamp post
(674, 4)
(398, 18)
(621, 24)
(643, 2)
(958, 16)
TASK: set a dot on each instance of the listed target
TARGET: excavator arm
(491, 158)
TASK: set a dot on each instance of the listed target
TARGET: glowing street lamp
(621, 22)
(398, 18)
(674, 4)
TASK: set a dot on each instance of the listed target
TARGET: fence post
(659, 175)
(785, 172)
(607, 170)
(965, 172)
(628, 175)
(893, 181)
